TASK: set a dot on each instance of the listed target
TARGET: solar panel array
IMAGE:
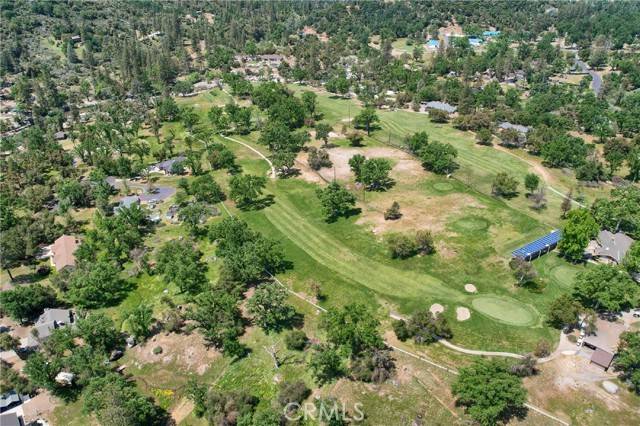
(535, 247)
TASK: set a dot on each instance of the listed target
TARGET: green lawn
(351, 263)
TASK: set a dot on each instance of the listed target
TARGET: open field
(474, 232)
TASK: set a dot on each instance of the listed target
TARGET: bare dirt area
(182, 410)
(419, 211)
(405, 167)
(188, 351)
(567, 374)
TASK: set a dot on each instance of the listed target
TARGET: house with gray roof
(126, 202)
(9, 400)
(46, 323)
(609, 247)
(517, 127)
(441, 106)
(10, 419)
(166, 165)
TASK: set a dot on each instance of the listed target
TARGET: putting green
(443, 186)
(564, 275)
(471, 224)
(506, 310)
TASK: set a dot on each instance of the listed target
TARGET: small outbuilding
(602, 358)
(539, 247)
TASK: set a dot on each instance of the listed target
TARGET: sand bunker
(436, 309)
(462, 314)
(470, 288)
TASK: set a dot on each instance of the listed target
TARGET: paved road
(596, 82)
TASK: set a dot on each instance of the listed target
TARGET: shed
(129, 201)
(539, 247)
(602, 358)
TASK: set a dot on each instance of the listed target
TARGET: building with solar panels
(539, 247)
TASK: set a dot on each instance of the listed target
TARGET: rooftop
(59, 316)
(63, 251)
(506, 125)
(602, 358)
(613, 246)
(442, 106)
(547, 242)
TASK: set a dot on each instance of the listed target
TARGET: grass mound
(443, 187)
(471, 224)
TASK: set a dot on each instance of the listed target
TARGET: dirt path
(273, 170)
(540, 170)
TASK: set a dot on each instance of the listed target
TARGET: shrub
(424, 242)
(484, 136)
(393, 212)
(293, 392)
(157, 350)
(542, 349)
(401, 246)
(401, 330)
(504, 185)
(318, 158)
(296, 340)
(373, 366)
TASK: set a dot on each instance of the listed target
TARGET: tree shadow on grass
(351, 212)
(259, 204)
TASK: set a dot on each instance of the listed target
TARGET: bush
(424, 242)
(393, 212)
(401, 246)
(484, 136)
(373, 366)
(157, 350)
(401, 330)
(293, 392)
(543, 349)
(318, 158)
(296, 340)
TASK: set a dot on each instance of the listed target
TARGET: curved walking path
(460, 349)
(273, 170)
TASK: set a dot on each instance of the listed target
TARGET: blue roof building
(475, 41)
(539, 247)
(491, 33)
(433, 43)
